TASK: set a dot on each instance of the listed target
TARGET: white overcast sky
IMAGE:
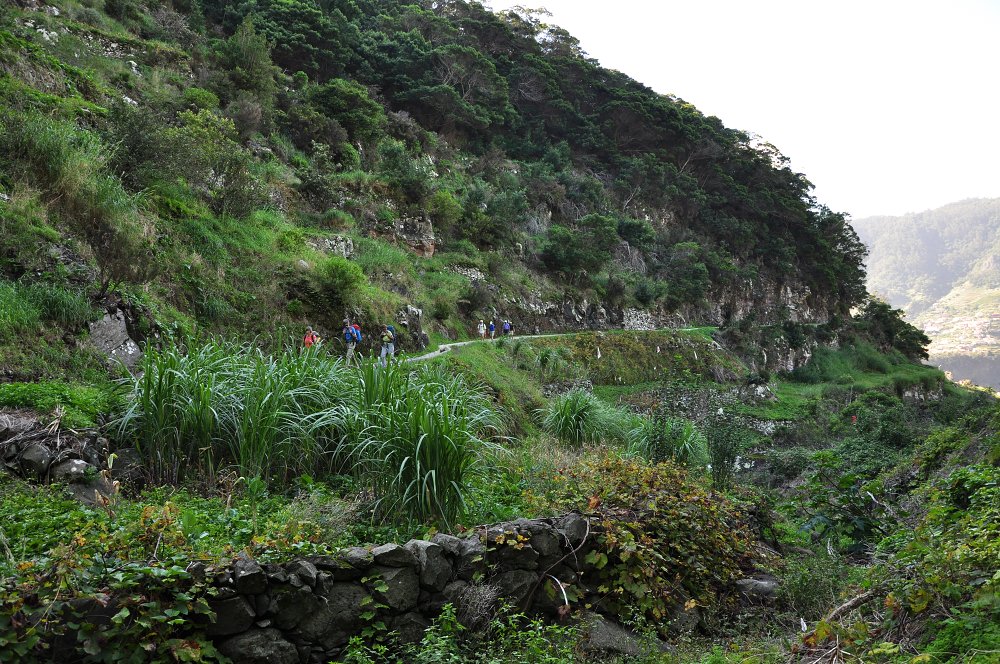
(887, 106)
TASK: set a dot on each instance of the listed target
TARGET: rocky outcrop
(110, 337)
(338, 245)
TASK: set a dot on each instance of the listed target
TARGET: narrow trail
(445, 348)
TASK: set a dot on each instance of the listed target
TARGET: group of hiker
(352, 336)
(484, 329)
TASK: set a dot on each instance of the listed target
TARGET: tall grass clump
(417, 438)
(661, 438)
(70, 165)
(578, 417)
(222, 404)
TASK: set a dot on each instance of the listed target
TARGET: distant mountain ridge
(942, 267)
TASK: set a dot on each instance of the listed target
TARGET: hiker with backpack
(352, 337)
(493, 330)
(310, 339)
(388, 340)
(481, 329)
(506, 328)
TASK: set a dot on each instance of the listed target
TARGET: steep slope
(245, 168)
(943, 268)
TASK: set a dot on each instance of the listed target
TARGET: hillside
(247, 168)
(943, 268)
(718, 449)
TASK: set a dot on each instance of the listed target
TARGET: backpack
(392, 331)
(356, 329)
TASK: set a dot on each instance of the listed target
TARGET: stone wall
(306, 611)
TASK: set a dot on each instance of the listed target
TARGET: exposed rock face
(339, 245)
(110, 336)
(418, 233)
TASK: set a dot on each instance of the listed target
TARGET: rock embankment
(307, 610)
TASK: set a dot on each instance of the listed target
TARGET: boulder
(402, 588)
(574, 527)
(759, 589)
(71, 470)
(347, 565)
(35, 460)
(393, 555)
(604, 637)
(336, 620)
(435, 569)
(304, 570)
(289, 605)
(470, 554)
(409, 627)
(260, 646)
(452, 545)
(517, 586)
(232, 616)
(248, 576)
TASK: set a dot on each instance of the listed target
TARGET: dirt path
(444, 348)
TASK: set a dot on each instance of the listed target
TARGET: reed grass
(416, 438)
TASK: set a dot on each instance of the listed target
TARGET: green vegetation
(415, 437)
(75, 406)
(224, 173)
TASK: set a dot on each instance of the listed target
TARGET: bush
(810, 587)
(668, 540)
(727, 438)
(338, 282)
(199, 99)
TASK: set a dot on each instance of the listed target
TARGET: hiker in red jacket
(310, 339)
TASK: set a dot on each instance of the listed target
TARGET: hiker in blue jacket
(352, 337)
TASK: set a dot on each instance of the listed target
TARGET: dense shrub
(947, 567)
(665, 544)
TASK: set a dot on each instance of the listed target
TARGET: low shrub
(727, 438)
(810, 586)
(947, 567)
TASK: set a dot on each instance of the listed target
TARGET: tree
(351, 106)
(248, 56)
(888, 330)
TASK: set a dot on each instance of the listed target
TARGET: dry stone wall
(306, 610)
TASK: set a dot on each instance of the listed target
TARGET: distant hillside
(943, 268)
